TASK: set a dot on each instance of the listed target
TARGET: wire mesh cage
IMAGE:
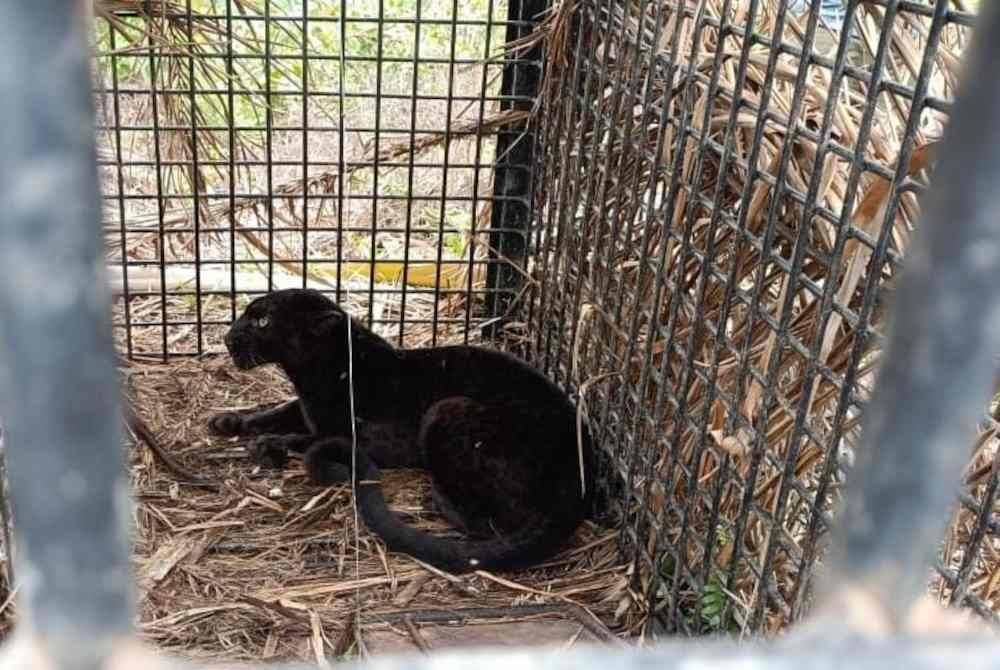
(349, 147)
(690, 214)
(727, 193)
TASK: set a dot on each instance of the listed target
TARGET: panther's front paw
(269, 451)
(226, 423)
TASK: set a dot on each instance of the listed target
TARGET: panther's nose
(228, 339)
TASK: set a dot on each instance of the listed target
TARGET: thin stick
(415, 635)
(9, 599)
(526, 589)
(350, 361)
(581, 406)
(143, 433)
(5, 519)
(456, 581)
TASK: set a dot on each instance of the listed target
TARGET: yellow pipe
(421, 274)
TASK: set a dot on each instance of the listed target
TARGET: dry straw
(255, 565)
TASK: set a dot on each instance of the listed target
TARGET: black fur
(498, 438)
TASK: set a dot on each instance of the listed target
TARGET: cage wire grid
(726, 192)
(247, 101)
(691, 182)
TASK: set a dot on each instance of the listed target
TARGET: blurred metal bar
(937, 371)
(835, 653)
(969, 653)
(58, 391)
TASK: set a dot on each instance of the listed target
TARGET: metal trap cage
(690, 214)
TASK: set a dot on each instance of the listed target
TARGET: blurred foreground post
(58, 391)
(937, 371)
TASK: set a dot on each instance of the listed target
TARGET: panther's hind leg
(477, 464)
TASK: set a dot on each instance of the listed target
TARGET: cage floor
(266, 565)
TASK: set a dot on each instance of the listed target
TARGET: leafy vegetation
(376, 54)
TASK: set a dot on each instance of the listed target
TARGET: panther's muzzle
(241, 359)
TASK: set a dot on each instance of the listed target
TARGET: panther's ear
(324, 323)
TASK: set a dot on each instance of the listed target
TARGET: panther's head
(290, 327)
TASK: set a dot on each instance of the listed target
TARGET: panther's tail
(528, 546)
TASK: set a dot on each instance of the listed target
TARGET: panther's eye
(262, 322)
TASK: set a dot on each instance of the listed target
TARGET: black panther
(498, 438)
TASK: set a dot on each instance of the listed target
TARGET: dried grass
(249, 569)
(607, 251)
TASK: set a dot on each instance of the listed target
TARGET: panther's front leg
(285, 418)
(272, 450)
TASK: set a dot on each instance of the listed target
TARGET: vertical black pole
(512, 184)
(58, 389)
